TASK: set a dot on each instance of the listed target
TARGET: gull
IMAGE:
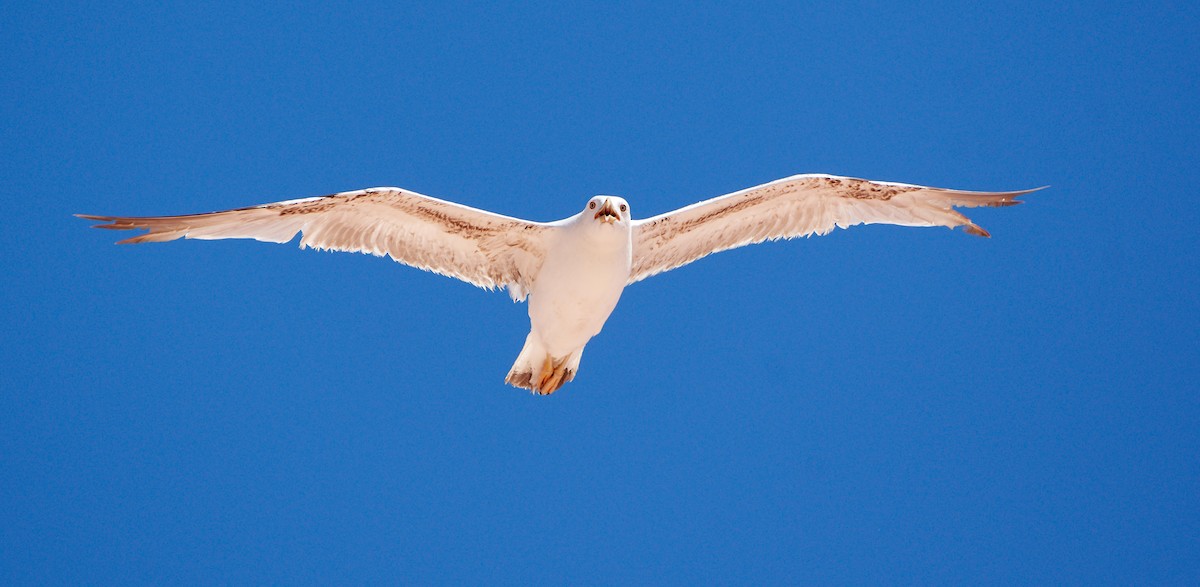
(572, 271)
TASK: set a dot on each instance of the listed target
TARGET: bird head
(608, 210)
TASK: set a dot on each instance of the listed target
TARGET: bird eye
(591, 205)
(623, 207)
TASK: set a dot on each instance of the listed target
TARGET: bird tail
(538, 371)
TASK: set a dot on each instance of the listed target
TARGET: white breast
(585, 270)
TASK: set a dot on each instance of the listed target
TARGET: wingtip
(109, 222)
(976, 230)
(1020, 193)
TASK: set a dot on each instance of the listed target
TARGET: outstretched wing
(479, 247)
(800, 205)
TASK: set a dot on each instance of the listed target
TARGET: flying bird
(572, 271)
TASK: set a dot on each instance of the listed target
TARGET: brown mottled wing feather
(800, 205)
(479, 247)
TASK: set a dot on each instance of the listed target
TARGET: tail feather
(538, 371)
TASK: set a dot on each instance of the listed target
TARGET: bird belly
(575, 292)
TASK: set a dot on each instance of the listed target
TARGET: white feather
(801, 205)
(479, 247)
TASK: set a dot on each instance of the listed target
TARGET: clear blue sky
(881, 405)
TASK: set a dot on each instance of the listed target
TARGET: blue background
(882, 404)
